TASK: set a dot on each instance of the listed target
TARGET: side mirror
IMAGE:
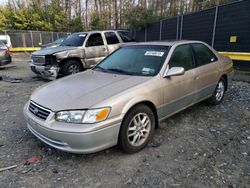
(174, 71)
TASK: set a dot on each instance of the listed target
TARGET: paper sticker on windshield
(154, 53)
(146, 70)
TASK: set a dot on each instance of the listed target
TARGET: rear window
(111, 38)
(76, 39)
(125, 36)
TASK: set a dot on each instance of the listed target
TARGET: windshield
(141, 60)
(76, 39)
(2, 45)
(4, 41)
(58, 41)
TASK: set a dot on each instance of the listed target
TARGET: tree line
(80, 15)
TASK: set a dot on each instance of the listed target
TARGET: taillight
(7, 52)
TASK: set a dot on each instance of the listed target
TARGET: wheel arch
(147, 103)
(226, 79)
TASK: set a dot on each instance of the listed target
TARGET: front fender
(132, 103)
(76, 53)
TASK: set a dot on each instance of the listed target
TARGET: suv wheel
(71, 67)
(137, 129)
(219, 92)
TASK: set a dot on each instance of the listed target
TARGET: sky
(3, 2)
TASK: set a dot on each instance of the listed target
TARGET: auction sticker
(154, 53)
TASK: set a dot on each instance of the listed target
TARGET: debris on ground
(33, 159)
(8, 168)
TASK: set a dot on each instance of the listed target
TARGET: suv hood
(50, 51)
(83, 90)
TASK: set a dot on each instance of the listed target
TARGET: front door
(179, 90)
(95, 50)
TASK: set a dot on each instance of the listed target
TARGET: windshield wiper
(119, 71)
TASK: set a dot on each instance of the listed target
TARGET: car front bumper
(73, 142)
(48, 72)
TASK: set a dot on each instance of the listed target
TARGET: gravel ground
(203, 146)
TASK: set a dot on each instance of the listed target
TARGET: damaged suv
(77, 52)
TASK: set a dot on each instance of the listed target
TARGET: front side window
(76, 39)
(111, 38)
(140, 60)
(203, 54)
(182, 57)
(95, 40)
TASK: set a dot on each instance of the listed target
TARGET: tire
(134, 137)
(71, 67)
(219, 92)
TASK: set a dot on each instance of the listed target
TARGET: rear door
(209, 70)
(112, 41)
(179, 90)
(95, 50)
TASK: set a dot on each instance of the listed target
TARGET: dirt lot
(203, 146)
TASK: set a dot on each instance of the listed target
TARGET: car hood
(50, 51)
(83, 90)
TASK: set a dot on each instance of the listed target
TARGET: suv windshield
(4, 41)
(3, 45)
(76, 39)
(141, 60)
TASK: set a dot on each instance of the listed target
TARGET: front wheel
(219, 92)
(137, 129)
(71, 67)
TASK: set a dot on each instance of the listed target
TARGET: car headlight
(83, 116)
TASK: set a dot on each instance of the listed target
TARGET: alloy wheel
(139, 129)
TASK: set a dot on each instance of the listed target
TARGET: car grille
(38, 59)
(39, 111)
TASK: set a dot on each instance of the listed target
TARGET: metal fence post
(177, 28)
(41, 39)
(182, 17)
(160, 28)
(215, 24)
(24, 41)
(145, 37)
(31, 36)
(52, 37)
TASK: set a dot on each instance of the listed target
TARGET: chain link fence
(32, 38)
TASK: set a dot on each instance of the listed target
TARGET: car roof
(95, 31)
(165, 42)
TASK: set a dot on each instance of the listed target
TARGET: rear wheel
(219, 92)
(137, 129)
(71, 67)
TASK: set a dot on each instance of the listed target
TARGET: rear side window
(111, 38)
(182, 57)
(95, 40)
(125, 36)
(203, 54)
